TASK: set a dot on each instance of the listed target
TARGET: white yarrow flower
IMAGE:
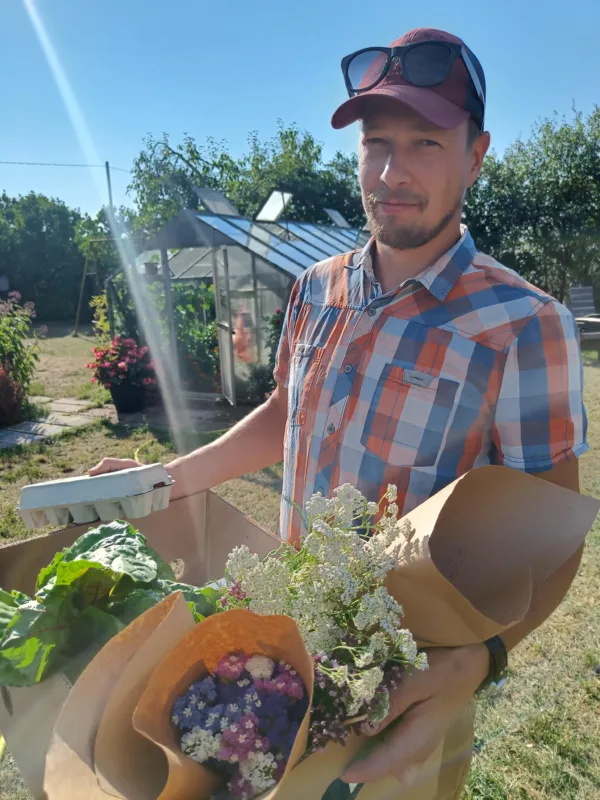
(260, 667)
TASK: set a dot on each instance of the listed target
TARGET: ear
(478, 150)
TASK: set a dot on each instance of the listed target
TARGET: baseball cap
(446, 105)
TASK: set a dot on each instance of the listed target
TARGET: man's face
(413, 175)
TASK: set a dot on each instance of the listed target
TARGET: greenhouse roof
(289, 246)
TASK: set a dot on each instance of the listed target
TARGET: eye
(374, 140)
(428, 143)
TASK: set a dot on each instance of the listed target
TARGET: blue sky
(222, 68)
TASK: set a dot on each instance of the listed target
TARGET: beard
(401, 235)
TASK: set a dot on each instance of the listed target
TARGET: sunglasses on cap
(423, 64)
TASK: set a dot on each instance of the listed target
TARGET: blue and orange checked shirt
(467, 364)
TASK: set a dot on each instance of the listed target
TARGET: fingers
(400, 750)
(112, 465)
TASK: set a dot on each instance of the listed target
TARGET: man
(414, 360)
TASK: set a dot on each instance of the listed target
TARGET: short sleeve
(540, 418)
(282, 362)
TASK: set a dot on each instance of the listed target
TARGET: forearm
(254, 443)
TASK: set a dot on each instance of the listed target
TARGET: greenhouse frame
(253, 265)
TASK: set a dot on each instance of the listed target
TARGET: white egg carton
(128, 494)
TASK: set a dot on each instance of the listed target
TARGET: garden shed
(252, 265)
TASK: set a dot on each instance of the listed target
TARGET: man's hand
(428, 702)
(113, 465)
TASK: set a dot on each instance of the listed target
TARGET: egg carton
(128, 494)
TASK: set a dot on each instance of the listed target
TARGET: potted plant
(126, 370)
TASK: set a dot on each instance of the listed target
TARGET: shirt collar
(439, 278)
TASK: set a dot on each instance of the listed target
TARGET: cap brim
(428, 104)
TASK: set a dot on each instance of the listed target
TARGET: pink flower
(112, 372)
(122, 365)
(94, 380)
(230, 666)
(15, 296)
(149, 382)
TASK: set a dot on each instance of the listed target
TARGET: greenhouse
(251, 265)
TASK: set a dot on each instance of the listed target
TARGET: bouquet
(242, 719)
(333, 587)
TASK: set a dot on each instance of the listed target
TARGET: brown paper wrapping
(276, 637)
(480, 548)
(70, 758)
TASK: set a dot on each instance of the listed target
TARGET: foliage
(164, 177)
(12, 398)
(537, 209)
(260, 382)
(274, 328)
(18, 353)
(122, 362)
(194, 323)
(100, 321)
(84, 597)
(39, 254)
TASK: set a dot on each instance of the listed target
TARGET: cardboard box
(199, 531)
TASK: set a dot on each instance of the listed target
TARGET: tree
(164, 177)
(537, 209)
(39, 254)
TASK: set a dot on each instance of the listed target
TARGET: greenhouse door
(224, 326)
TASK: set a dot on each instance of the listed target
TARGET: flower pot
(127, 398)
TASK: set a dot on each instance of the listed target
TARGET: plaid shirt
(467, 364)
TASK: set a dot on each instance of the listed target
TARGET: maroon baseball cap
(445, 105)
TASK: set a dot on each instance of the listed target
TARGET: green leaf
(203, 599)
(136, 603)
(34, 639)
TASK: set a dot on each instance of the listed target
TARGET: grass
(539, 740)
(61, 369)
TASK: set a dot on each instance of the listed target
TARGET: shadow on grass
(267, 478)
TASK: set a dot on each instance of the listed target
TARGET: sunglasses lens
(428, 64)
(366, 69)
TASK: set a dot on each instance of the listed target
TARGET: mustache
(399, 196)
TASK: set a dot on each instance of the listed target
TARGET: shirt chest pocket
(304, 371)
(408, 417)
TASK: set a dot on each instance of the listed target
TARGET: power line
(50, 164)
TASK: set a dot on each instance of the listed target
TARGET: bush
(12, 399)
(18, 353)
(122, 362)
(100, 322)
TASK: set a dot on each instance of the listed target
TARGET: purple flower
(231, 666)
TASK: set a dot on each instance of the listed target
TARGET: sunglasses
(423, 64)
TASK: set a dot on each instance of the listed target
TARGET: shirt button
(371, 312)
(331, 428)
(348, 368)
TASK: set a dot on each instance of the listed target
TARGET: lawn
(539, 740)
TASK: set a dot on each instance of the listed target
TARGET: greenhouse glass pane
(326, 247)
(326, 234)
(253, 243)
(272, 242)
(300, 239)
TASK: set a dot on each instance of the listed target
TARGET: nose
(396, 170)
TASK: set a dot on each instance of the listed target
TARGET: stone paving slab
(10, 438)
(107, 412)
(69, 420)
(40, 400)
(41, 428)
(68, 406)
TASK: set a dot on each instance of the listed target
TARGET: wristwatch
(496, 677)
